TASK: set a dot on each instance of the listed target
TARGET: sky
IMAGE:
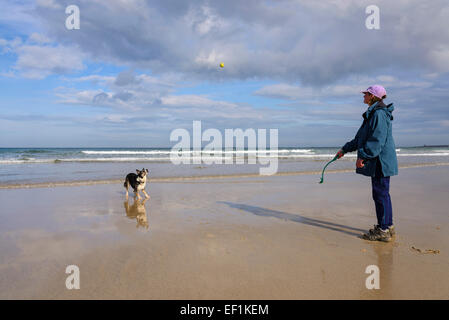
(135, 70)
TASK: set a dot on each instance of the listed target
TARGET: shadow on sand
(295, 218)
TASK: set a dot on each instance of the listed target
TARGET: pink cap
(377, 91)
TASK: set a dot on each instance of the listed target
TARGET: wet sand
(279, 237)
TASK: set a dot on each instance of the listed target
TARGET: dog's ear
(137, 170)
(146, 170)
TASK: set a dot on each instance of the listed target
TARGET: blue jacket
(374, 141)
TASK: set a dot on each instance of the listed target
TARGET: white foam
(15, 161)
(298, 150)
(115, 159)
(125, 152)
(165, 155)
(424, 154)
(440, 150)
(130, 152)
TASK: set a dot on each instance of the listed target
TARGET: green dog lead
(322, 174)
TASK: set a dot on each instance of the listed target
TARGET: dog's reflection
(137, 211)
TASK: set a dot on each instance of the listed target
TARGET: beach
(228, 237)
(245, 122)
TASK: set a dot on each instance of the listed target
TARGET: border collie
(137, 182)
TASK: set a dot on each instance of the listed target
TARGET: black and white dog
(137, 182)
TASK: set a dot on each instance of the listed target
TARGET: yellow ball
(222, 65)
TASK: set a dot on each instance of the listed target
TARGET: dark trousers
(382, 200)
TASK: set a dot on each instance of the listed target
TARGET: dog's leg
(126, 185)
(145, 193)
(137, 194)
(126, 204)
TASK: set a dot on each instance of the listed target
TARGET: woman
(376, 158)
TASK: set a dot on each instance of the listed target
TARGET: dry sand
(280, 237)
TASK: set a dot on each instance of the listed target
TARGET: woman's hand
(359, 164)
(340, 154)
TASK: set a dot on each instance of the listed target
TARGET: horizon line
(279, 147)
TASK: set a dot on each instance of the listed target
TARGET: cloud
(48, 4)
(123, 96)
(347, 89)
(126, 78)
(41, 61)
(126, 91)
(203, 20)
(37, 58)
(38, 38)
(288, 41)
(9, 46)
(304, 61)
(315, 43)
(18, 17)
(100, 98)
(193, 101)
(129, 91)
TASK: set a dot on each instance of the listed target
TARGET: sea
(44, 166)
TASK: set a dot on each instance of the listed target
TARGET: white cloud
(210, 59)
(38, 38)
(9, 46)
(53, 4)
(19, 16)
(341, 90)
(440, 58)
(295, 92)
(194, 101)
(203, 20)
(37, 58)
(94, 78)
(154, 97)
(315, 42)
(125, 91)
(38, 62)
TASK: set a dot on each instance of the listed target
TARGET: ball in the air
(222, 65)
